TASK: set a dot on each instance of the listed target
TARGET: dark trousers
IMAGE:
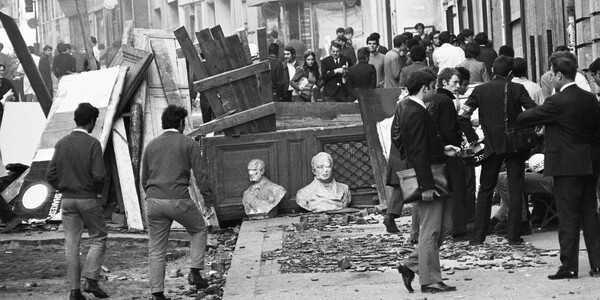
(515, 169)
(577, 207)
(470, 193)
(456, 173)
(6, 212)
(287, 97)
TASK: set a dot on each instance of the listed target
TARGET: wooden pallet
(230, 80)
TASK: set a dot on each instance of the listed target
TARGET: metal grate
(351, 163)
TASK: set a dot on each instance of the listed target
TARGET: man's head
(273, 49)
(468, 35)
(372, 43)
(31, 49)
(342, 40)
(420, 28)
(481, 38)
(421, 85)
(1, 47)
(564, 69)
(68, 47)
(502, 66)
(340, 32)
(434, 36)
(173, 117)
(94, 41)
(289, 53)
(85, 116)
(349, 32)
(335, 49)
(519, 67)
(256, 169)
(322, 167)
(47, 50)
(116, 45)
(61, 48)
(472, 50)
(445, 38)
(418, 53)
(2, 71)
(363, 54)
(449, 79)
(274, 34)
(399, 42)
(507, 50)
(465, 78)
(412, 42)
(595, 70)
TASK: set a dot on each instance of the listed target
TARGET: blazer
(489, 98)
(397, 159)
(362, 76)
(444, 114)
(572, 128)
(422, 143)
(333, 82)
(286, 75)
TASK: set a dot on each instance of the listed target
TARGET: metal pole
(37, 41)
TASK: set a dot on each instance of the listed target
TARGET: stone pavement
(249, 278)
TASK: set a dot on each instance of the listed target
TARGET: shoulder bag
(517, 140)
(409, 184)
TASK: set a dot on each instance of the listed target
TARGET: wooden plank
(263, 48)
(109, 156)
(376, 106)
(135, 127)
(243, 34)
(127, 38)
(126, 177)
(235, 119)
(228, 77)
(111, 110)
(29, 66)
(180, 52)
(165, 71)
(208, 213)
(193, 59)
(266, 92)
(138, 62)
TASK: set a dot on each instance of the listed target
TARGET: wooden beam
(126, 176)
(231, 76)
(235, 119)
(180, 52)
(165, 71)
(127, 38)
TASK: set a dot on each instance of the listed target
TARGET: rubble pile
(322, 243)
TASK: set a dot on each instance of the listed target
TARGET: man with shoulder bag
(499, 102)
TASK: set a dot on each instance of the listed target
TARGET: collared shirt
(172, 129)
(534, 90)
(418, 101)
(567, 85)
(448, 56)
(81, 130)
(291, 71)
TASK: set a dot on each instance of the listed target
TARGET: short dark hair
(94, 41)
(85, 114)
(274, 49)
(349, 30)
(595, 66)
(374, 38)
(47, 47)
(446, 74)
(409, 35)
(417, 80)
(68, 46)
(340, 29)
(274, 34)
(503, 65)
(566, 65)
(342, 38)
(399, 40)
(472, 50)
(411, 42)
(31, 49)
(418, 53)
(172, 116)
(519, 67)
(481, 38)
(432, 33)
(445, 37)
(61, 47)
(562, 48)
(419, 25)
(291, 49)
(465, 75)
(376, 35)
(336, 45)
(506, 50)
(467, 32)
(362, 54)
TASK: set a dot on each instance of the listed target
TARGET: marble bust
(323, 193)
(262, 195)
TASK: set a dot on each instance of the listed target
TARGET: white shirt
(567, 85)
(448, 56)
(534, 90)
(419, 101)
(81, 130)
(291, 72)
(580, 81)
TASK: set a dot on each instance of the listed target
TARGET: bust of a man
(262, 195)
(323, 193)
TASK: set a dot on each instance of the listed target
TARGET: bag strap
(506, 107)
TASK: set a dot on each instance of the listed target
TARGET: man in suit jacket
(572, 155)
(289, 71)
(278, 87)
(334, 69)
(362, 75)
(443, 111)
(490, 99)
(424, 147)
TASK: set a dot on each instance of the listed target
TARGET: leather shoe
(91, 286)
(76, 295)
(159, 297)
(437, 288)
(390, 225)
(197, 280)
(517, 241)
(563, 274)
(595, 272)
(407, 276)
(11, 224)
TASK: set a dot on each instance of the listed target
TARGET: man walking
(572, 157)
(46, 69)
(499, 102)
(77, 172)
(334, 69)
(166, 169)
(424, 147)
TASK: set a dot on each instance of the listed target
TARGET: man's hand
(451, 150)
(339, 71)
(428, 195)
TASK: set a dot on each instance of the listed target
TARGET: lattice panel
(351, 163)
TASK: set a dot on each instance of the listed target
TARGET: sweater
(166, 166)
(77, 167)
